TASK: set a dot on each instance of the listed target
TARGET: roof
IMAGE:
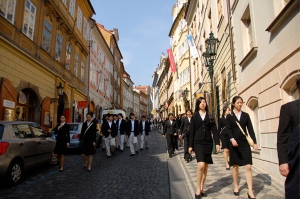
(91, 6)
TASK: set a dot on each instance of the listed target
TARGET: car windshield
(37, 130)
(74, 127)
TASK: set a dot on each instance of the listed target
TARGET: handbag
(249, 139)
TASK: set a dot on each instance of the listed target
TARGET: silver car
(22, 145)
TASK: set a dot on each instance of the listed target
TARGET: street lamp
(60, 92)
(209, 57)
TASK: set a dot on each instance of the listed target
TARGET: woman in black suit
(62, 130)
(240, 152)
(200, 141)
(224, 136)
(88, 140)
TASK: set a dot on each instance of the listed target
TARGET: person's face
(89, 118)
(238, 104)
(119, 116)
(227, 111)
(132, 117)
(143, 119)
(115, 117)
(110, 118)
(62, 119)
(202, 105)
(189, 114)
(171, 117)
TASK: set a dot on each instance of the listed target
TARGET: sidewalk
(219, 180)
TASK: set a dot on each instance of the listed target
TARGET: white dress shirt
(202, 116)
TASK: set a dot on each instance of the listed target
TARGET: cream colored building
(268, 57)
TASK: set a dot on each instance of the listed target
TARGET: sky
(144, 27)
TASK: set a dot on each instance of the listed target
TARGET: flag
(192, 45)
(171, 59)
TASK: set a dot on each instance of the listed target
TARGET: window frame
(30, 21)
(45, 28)
(56, 47)
(72, 8)
(68, 52)
(76, 64)
(79, 19)
(7, 3)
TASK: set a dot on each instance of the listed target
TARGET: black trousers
(186, 147)
(171, 143)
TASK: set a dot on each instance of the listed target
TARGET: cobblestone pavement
(121, 176)
(219, 183)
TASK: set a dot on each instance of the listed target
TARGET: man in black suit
(121, 125)
(109, 131)
(132, 133)
(144, 132)
(288, 145)
(185, 134)
(170, 131)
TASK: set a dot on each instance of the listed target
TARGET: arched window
(26, 109)
(254, 111)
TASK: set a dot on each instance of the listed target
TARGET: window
(86, 33)
(100, 82)
(64, 2)
(47, 36)
(58, 48)
(224, 86)
(22, 131)
(68, 56)
(294, 92)
(37, 130)
(76, 65)
(29, 19)
(253, 105)
(7, 9)
(247, 30)
(72, 8)
(79, 19)
(82, 71)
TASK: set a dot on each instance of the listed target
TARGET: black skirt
(87, 148)
(225, 141)
(240, 155)
(60, 147)
(203, 151)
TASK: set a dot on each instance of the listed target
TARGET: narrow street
(122, 176)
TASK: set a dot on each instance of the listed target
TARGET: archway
(289, 86)
(252, 104)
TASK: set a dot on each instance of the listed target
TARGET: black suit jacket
(234, 131)
(185, 126)
(222, 126)
(106, 127)
(202, 129)
(147, 127)
(122, 126)
(289, 119)
(90, 135)
(136, 127)
(63, 134)
(170, 129)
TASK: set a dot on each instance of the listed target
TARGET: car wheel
(53, 160)
(14, 173)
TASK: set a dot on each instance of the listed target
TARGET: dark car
(23, 145)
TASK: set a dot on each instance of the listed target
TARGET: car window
(73, 127)
(22, 131)
(37, 130)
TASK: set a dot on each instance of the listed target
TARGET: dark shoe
(236, 193)
(197, 196)
(170, 156)
(61, 170)
(89, 170)
(141, 149)
(146, 147)
(121, 150)
(108, 156)
(137, 152)
(249, 196)
(132, 154)
(203, 194)
(103, 149)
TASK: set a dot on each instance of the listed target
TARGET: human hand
(218, 148)
(164, 135)
(234, 143)
(94, 143)
(190, 150)
(255, 147)
(68, 144)
(108, 130)
(284, 169)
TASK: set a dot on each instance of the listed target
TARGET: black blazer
(63, 134)
(222, 126)
(185, 125)
(136, 128)
(147, 127)
(170, 129)
(234, 131)
(105, 127)
(202, 129)
(122, 126)
(90, 135)
(289, 119)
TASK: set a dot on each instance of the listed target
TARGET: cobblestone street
(122, 176)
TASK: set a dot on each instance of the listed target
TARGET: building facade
(136, 103)
(39, 42)
(144, 100)
(128, 94)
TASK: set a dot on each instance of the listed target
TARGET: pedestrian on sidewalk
(185, 133)
(239, 149)
(288, 145)
(121, 125)
(200, 141)
(110, 132)
(62, 130)
(170, 131)
(144, 132)
(132, 133)
(88, 140)
(178, 120)
(224, 136)
(104, 120)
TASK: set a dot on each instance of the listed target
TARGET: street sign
(82, 104)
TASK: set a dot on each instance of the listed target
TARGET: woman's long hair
(224, 110)
(197, 109)
(234, 100)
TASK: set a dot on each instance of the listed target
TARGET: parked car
(23, 145)
(75, 130)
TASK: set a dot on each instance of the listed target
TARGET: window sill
(283, 15)
(248, 56)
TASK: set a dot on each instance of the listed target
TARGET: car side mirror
(49, 134)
